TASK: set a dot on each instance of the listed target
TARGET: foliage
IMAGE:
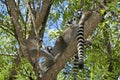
(5, 67)
(7, 48)
(25, 71)
(97, 59)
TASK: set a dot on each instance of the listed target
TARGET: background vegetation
(102, 58)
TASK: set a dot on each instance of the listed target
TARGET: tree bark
(69, 52)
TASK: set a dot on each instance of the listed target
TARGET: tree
(22, 20)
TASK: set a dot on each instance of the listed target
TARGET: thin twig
(33, 19)
(8, 54)
(7, 30)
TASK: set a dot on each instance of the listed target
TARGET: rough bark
(41, 18)
(69, 52)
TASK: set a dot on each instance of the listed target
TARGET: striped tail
(78, 62)
(80, 46)
(75, 67)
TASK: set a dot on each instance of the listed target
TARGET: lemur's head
(72, 22)
(49, 49)
(79, 13)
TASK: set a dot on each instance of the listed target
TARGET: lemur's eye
(40, 40)
(74, 19)
(69, 21)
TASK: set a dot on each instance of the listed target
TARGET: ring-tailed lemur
(83, 16)
(48, 61)
(80, 45)
(75, 66)
(72, 22)
(79, 58)
(76, 63)
(49, 49)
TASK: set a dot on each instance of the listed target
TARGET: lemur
(34, 49)
(49, 59)
(63, 41)
(35, 53)
(83, 16)
(80, 41)
(79, 58)
(71, 23)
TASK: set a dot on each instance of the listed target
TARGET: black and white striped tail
(75, 67)
(80, 46)
(78, 62)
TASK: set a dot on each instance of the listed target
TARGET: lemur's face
(49, 49)
(72, 22)
(79, 13)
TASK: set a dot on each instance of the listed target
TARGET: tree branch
(19, 32)
(69, 52)
(8, 54)
(46, 4)
(7, 30)
(38, 6)
(15, 18)
(33, 19)
(41, 32)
